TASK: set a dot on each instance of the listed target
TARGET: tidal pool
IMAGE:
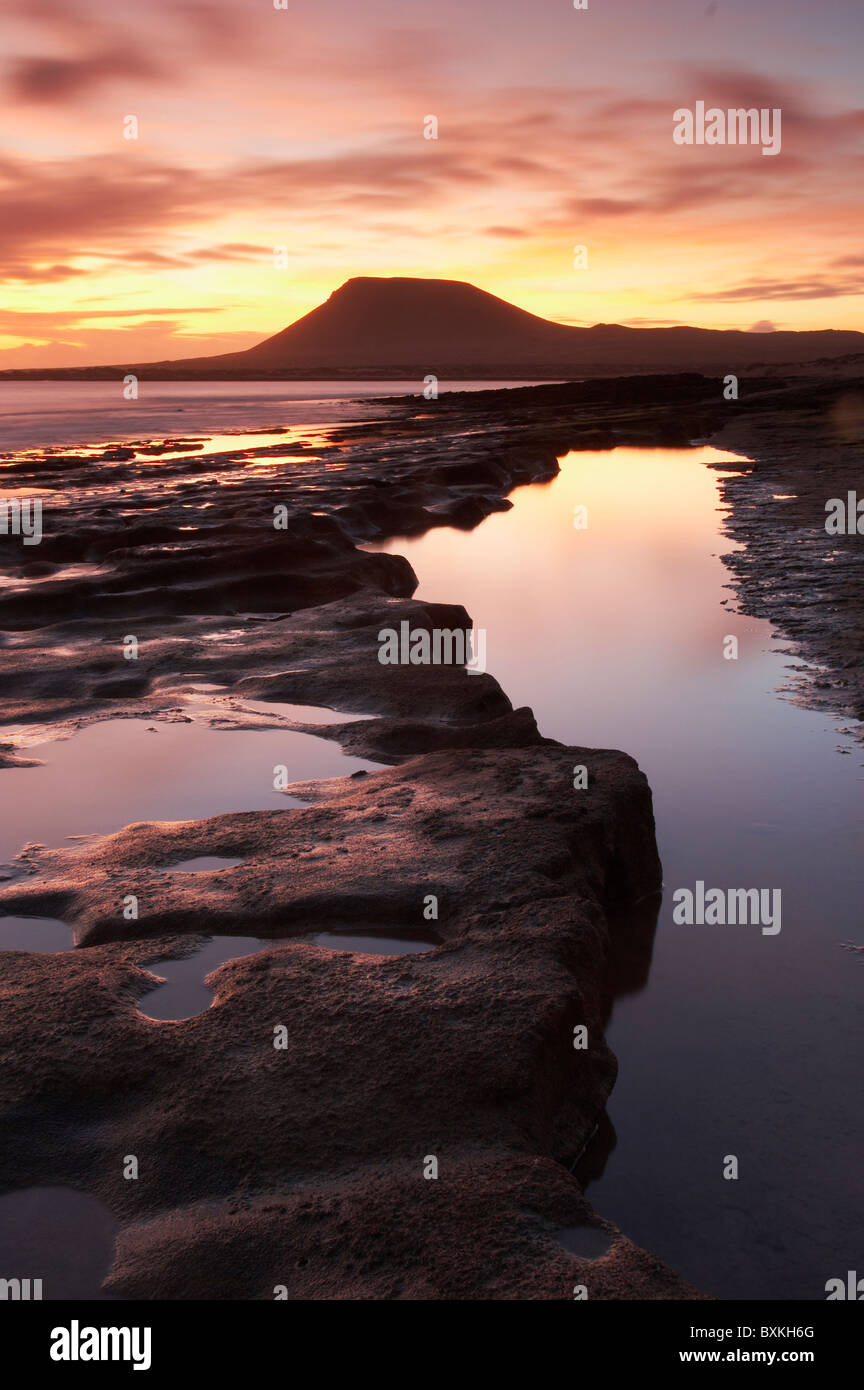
(44, 935)
(57, 1235)
(120, 771)
(730, 1042)
(184, 993)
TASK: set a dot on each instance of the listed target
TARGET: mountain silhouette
(384, 327)
(406, 322)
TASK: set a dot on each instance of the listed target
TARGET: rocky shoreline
(809, 584)
(301, 1167)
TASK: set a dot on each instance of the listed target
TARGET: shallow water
(301, 714)
(586, 1242)
(184, 994)
(120, 771)
(63, 1237)
(68, 413)
(44, 935)
(733, 1042)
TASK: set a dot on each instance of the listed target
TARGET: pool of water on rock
(120, 771)
(184, 994)
(57, 1235)
(117, 772)
(44, 935)
(729, 1042)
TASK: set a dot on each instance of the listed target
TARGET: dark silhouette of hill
(378, 327)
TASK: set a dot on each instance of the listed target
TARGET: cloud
(298, 58)
(153, 340)
(42, 274)
(230, 251)
(605, 207)
(304, 128)
(818, 287)
(106, 206)
(155, 260)
(675, 188)
(503, 142)
(65, 79)
(13, 321)
(506, 232)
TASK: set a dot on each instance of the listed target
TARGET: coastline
(526, 936)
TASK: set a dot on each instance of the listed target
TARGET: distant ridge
(402, 327)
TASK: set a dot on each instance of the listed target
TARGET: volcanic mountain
(375, 327)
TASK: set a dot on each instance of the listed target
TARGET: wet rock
(804, 449)
(308, 1166)
(463, 1054)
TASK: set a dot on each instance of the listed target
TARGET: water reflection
(63, 1237)
(44, 935)
(122, 771)
(734, 1042)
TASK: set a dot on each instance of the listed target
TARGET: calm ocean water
(60, 413)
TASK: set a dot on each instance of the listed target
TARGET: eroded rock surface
(806, 447)
(304, 1167)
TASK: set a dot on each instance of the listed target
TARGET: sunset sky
(303, 127)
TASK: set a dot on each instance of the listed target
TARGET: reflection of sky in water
(117, 772)
(56, 575)
(741, 1043)
(63, 1237)
(184, 993)
(63, 414)
(44, 935)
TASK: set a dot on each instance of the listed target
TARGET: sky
(281, 151)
